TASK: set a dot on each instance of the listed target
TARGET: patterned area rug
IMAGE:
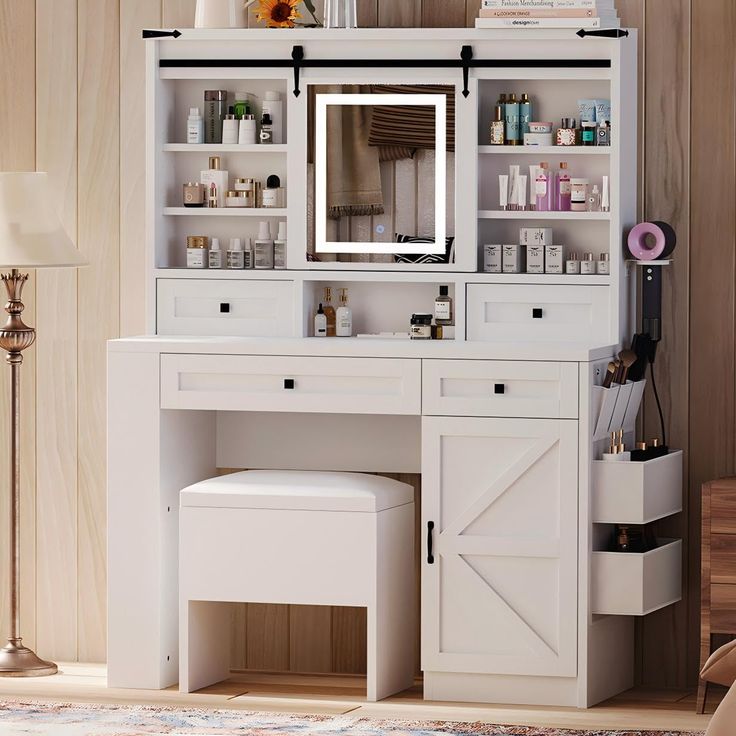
(65, 719)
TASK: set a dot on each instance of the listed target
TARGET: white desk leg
(204, 644)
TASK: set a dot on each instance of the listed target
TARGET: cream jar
(578, 194)
(197, 252)
(246, 188)
(234, 198)
(421, 326)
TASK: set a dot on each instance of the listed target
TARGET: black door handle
(224, 308)
(537, 313)
(430, 555)
(288, 383)
(499, 388)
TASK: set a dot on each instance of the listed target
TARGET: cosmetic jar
(588, 134)
(421, 326)
(578, 195)
(567, 133)
(193, 194)
(540, 127)
(197, 255)
(572, 265)
(246, 188)
(234, 198)
(603, 265)
(587, 265)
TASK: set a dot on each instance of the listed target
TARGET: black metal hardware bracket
(297, 54)
(430, 553)
(466, 54)
(161, 34)
(604, 33)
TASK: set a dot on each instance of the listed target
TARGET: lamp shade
(31, 233)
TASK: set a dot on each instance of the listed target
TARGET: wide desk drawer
(519, 312)
(500, 388)
(244, 308)
(291, 384)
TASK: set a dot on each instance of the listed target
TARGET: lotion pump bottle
(263, 250)
(195, 126)
(215, 253)
(235, 254)
(320, 323)
(330, 315)
(279, 247)
(344, 316)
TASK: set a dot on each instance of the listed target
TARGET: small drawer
(291, 384)
(514, 312)
(722, 609)
(500, 389)
(637, 493)
(243, 308)
(636, 584)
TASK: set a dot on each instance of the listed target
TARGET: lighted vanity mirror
(380, 160)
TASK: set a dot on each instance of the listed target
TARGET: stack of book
(547, 14)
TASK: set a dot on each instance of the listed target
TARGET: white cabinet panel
(292, 384)
(499, 594)
(500, 388)
(245, 308)
(520, 312)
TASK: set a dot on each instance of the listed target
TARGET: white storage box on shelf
(637, 492)
(310, 538)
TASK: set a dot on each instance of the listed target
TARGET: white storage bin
(635, 492)
(636, 584)
(616, 408)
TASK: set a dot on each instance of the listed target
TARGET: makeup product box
(514, 258)
(492, 258)
(554, 260)
(535, 259)
(535, 236)
(538, 139)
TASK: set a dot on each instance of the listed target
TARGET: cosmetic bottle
(514, 170)
(330, 313)
(605, 197)
(320, 323)
(521, 200)
(242, 105)
(266, 129)
(235, 254)
(587, 265)
(603, 265)
(230, 128)
(197, 251)
(572, 265)
(217, 176)
(279, 247)
(622, 451)
(563, 188)
(567, 133)
(195, 126)
(215, 101)
(543, 189)
(443, 307)
(215, 254)
(498, 127)
(594, 200)
(247, 133)
(612, 453)
(604, 133)
(503, 191)
(248, 259)
(193, 194)
(513, 137)
(640, 454)
(501, 107)
(274, 107)
(273, 193)
(525, 114)
(578, 194)
(263, 247)
(533, 173)
(212, 198)
(588, 132)
(344, 316)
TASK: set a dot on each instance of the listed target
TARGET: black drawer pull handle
(288, 383)
(224, 308)
(499, 388)
(537, 313)
(430, 555)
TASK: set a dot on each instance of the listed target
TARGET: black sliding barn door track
(465, 62)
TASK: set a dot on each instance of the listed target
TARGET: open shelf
(539, 278)
(536, 215)
(547, 150)
(225, 211)
(217, 148)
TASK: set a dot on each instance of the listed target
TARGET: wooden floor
(320, 694)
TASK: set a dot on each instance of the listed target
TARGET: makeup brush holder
(616, 408)
(220, 14)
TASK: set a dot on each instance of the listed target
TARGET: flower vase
(341, 14)
(220, 14)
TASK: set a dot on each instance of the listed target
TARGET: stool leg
(204, 644)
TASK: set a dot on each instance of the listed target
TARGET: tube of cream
(605, 197)
(533, 171)
(503, 191)
(513, 185)
(522, 193)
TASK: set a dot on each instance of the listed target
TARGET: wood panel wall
(70, 78)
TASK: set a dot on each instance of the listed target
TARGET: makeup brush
(610, 373)
(628, 358)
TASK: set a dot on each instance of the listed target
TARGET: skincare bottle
(215, 101)
(320, 323)
(263, 247)
(578, 194)
(533, 173)
(242, 106)
(215, 254)
(273, 192)
(603, 265)
(542, 189)
(195, 126)
(525, 114)
(330, 313)
(274, 107)
(521, 201)
(193, 194)
(279, 247)
(197, 251)
(563, 188)
(344, 316)
(248, 254)
(588, 134)
(443, 307)
(513, 137)
(587, 265)
(604, 133)
(266, 129)
(501, 108)
(514, 170)
(247, 132)
(230, 128)
(572, 265)
(605, 198)
(235, 255)
(217, 176)
(503, 191)
(594, 200)
(498, 127)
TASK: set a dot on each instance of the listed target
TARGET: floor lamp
(31, 236)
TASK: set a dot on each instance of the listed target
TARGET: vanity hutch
(505, 418)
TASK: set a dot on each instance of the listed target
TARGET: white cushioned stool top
(304, 490)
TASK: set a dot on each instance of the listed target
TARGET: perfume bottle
(344, 316)
(329, 312)
(443, 307)
(594, 200)
(563, 188)
(498, 127)
(320, 323)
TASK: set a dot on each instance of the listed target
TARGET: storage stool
(313, 538)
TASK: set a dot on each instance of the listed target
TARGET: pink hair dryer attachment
(649, 241)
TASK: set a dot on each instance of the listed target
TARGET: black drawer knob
(288, 383)
(224, 308)
(499, 388)
(537, 313)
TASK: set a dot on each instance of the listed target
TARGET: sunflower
(278, 13)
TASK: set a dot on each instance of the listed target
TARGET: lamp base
(19, 661)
